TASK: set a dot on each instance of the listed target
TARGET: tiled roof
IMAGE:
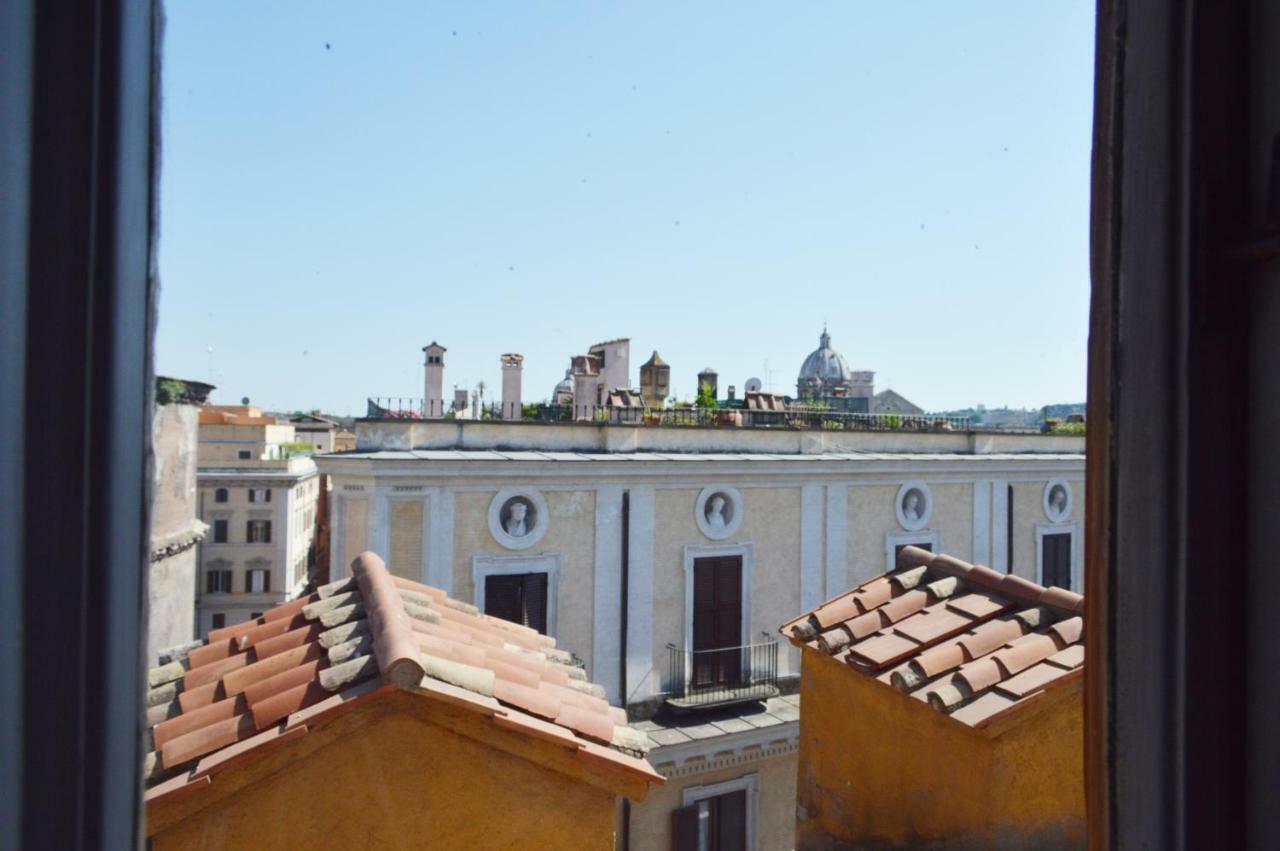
(973, 643)
(250, 685)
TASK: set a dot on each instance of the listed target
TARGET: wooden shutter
(684, 828)
(729, 821)
(534, 602)
(717, 619)
(502, 598)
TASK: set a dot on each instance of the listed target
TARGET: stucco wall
(171, 603)
(775, 816)
(408, 522)
(394, 779)
(175, 530)
(879, 767)
(871, 514)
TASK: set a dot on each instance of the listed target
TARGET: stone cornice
(716, 752)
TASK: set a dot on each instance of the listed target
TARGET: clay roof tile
(963, 638)
(257, 684)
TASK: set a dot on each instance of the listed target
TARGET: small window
(259, 494)
(245, 455)
(217, 582)
(219, 531)
(253, 616)
(257, 581)
(220, 495)
(258, 532)
(520, 598)
(219, 620)
(712, 824)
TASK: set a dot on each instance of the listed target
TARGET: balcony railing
(799, 418)
(710, 678)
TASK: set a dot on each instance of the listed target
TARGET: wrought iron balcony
(703, 679)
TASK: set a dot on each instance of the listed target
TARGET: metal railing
(721, 676)
(798, 418)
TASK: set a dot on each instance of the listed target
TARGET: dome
(564, 389)
(824, 363)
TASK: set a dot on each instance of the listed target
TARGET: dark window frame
(522, 598)
(221, 495)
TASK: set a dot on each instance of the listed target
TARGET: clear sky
(343, 183)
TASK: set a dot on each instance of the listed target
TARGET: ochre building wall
(877, 767)
(390, 778)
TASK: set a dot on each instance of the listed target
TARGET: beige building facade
(604, 529)
(260, 504)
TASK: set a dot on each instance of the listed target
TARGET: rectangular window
(717, 621)
(245, 455)
(219, 531)
(1056, 560)
(259, 494)
(257, 581)
(712, 824)
(520, 598)
(258, 531)
(218, 620)
(217, 582)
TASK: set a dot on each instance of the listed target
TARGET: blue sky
(343, 183)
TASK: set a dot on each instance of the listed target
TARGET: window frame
(484, 566)
(750, 783)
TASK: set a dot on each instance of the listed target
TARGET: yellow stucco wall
(871, 514)
(877, 766)
(407, 525)
(775, 817)
(390, 776)
(354, 529)
(570, 534)
(770, 523)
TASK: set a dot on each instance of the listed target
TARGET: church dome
(563, 394)
(824, 363)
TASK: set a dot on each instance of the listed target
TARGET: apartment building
(665, 556)
(258, 493)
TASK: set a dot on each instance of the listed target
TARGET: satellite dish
(244, 400)
(753, 385)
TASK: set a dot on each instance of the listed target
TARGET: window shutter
(502, 597)
(267, 495)
(535, 601)
(266, 582)
(210, 582)
(730, 826)
(684, 828)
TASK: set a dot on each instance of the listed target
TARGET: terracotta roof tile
(252, 685)
(973, 643)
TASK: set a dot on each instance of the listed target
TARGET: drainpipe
(624, 610)
(624, 605)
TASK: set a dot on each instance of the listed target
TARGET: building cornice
(716, 752)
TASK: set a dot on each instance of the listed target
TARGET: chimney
(460, 400)
(511, 372)
(586, 387)
(433, 392)
(733, 393)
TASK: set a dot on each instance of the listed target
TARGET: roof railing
(796, 417)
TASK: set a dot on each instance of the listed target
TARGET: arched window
(220, 495)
